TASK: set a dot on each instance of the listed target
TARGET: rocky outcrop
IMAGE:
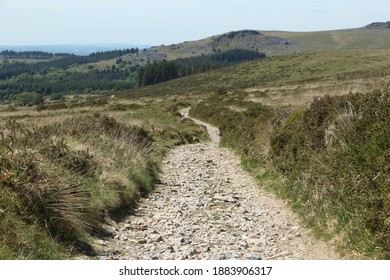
(248, 40)
(378, 25)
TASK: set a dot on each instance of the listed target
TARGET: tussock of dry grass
(62, 187)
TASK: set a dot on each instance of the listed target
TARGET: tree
(29, 98)
(157, 72)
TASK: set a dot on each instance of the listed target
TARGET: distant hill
(243, 39)
(372, 36)
(120, 71)
(272, 43)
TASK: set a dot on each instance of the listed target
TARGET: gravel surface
(207, 207)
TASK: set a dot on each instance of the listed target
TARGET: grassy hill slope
(335, 68)
(337, 40)
(272, 43)
(244, 39)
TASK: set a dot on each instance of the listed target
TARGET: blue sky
(156, 22)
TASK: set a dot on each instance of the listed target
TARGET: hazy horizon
(151, 22)
(78, 49)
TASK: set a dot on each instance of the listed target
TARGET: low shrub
(336, 155)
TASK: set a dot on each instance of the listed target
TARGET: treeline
(9, 70)
(222, 58)
(49, 77)
(163, 71)
(93, 57)
(157, 72)
(9, 54)
(72, 82)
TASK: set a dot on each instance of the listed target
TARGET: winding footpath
(207, 207)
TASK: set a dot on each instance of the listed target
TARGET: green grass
(21, 237)
(246, 132)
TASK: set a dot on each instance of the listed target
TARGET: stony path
(207, 207)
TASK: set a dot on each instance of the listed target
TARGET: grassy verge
(61, 180)
(66, 177)
(336, 156)
(330, 161)
(244, 126)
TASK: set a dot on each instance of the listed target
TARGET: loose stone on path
(207, 207)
